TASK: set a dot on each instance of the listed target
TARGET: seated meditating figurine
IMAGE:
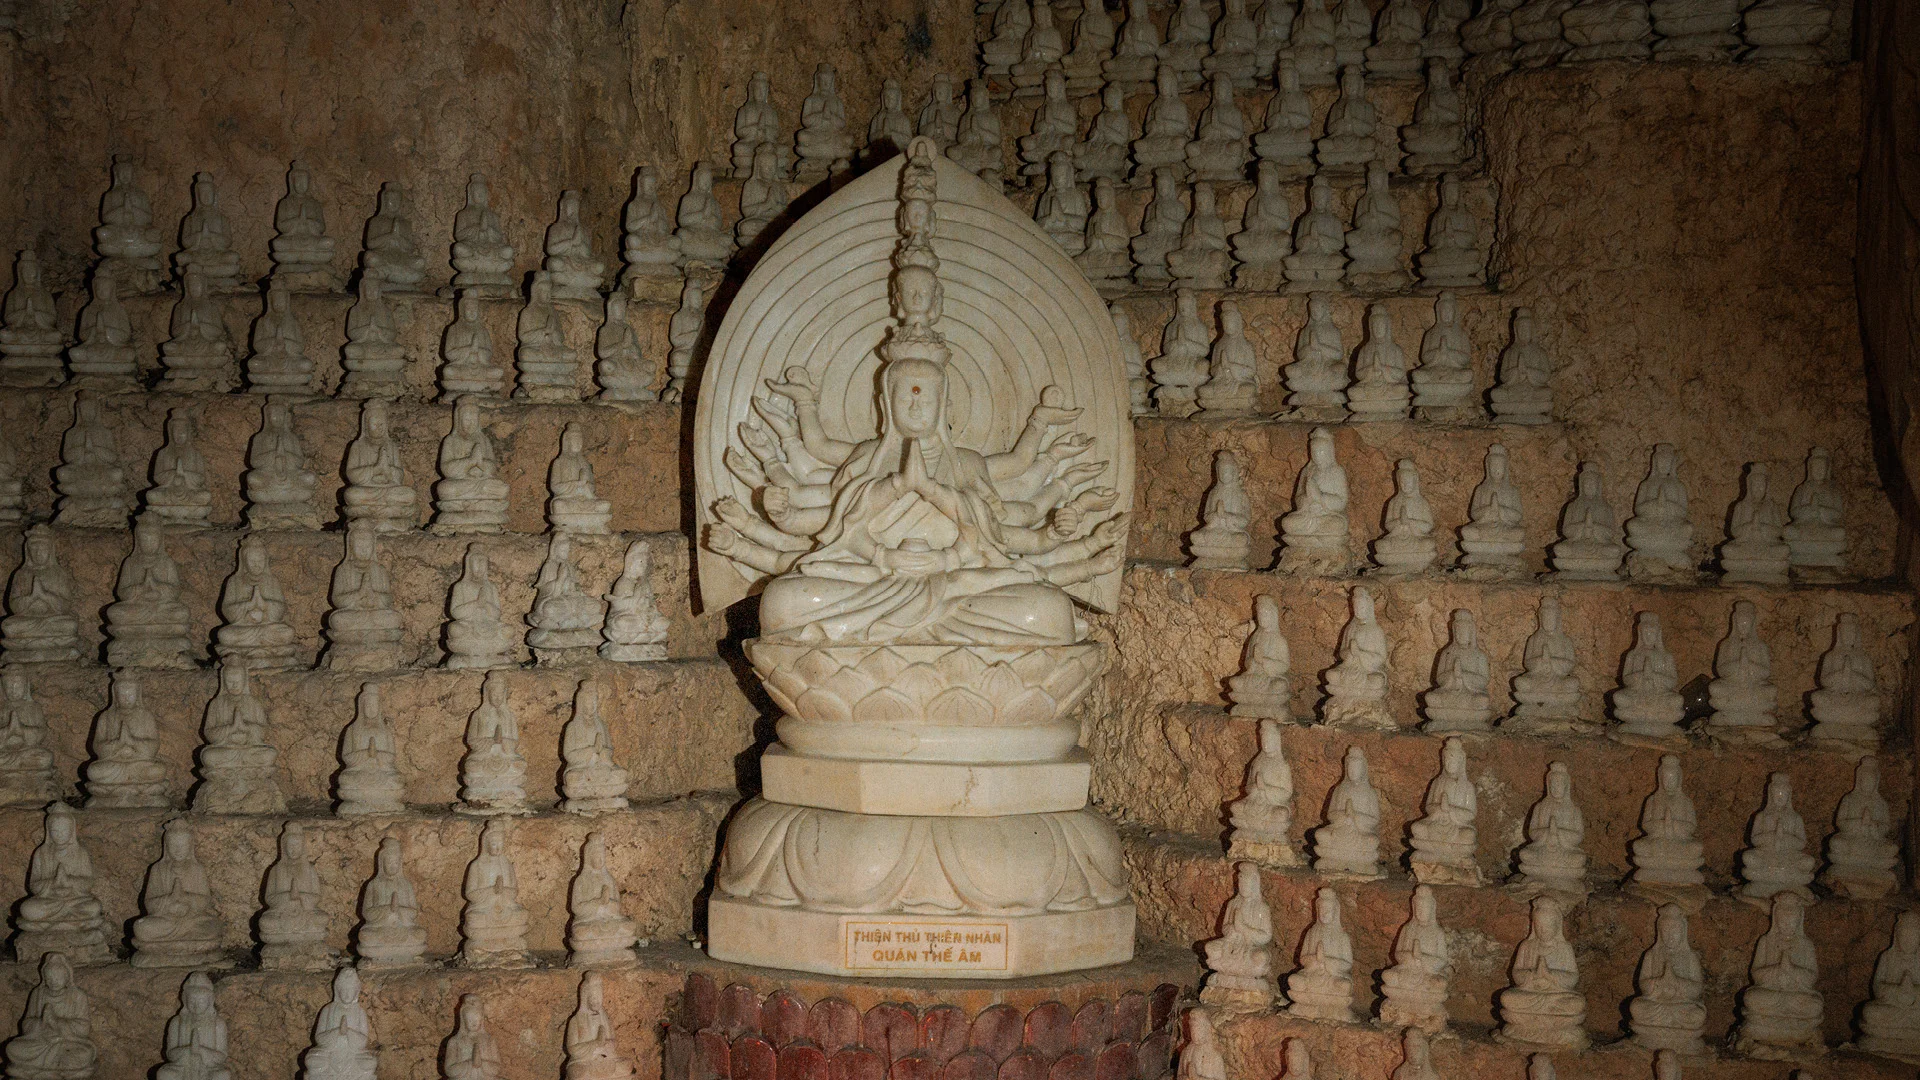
(278, 362)
(1264, 688)
(362, 628)
(1776, 859)
(1743, 693)
(378, 491)
(1093, 40)
(56, 1033)
(478, 636)
(1756, 549)
(40, 625)
(599, 933)
(369, 778)
(1846, 707)
(755, 124)
(482, 257)
(1189, 37)
(467, 347)
(105, 351)
(342, 1036)
(179, 927)
(1102, 155)
(1374, 262)
(1349, 144)
(1890, 1021)
(1240, 961)
(572, 503)
(1660, 533)
(636, 629)
(1265, 238)
(1319, 255)
(1781, 1010)
(1452, 259)
(1063, 206)
(1201, 261)
(1322, 987)
(389, 934)
(253, 613)
(493, 772)
(198, 353)
(128, 242)
(889, 132)
(1445, 839)
(570, 262)
(1262, 819)
(206, 240)
(1669, 1011)
(1160, 231)
(1648, 703)
(591, 782)
(1407, 546)
(1524, 391)
(1494, 535)
(1235, 39)
(762, 198)
(1317, 378)
(293, 929)
(1589, 547)
(375, 361)
(822, 146)
(1286, 142)
(239, 768)
(976, 146)
(548, 370)
(26, 764)
(1163, 140)
(392, 257)
(1379, 388)
(1668, 856)
(1231, 388)
(126, 770)
(1348, 845)
(1136, 54)
(1357, 683)
(471, 1053)
(1458, 700)
(469, 497)
(1553, 859)
(1544, 1006)
(148, 623)
(29, 339)
(1414, 989)
(60, 913)
(1395, 53)
(1606, 30)
(565, 621)
(302, 250)
(493, 924)
(1055, 127)
(1218, 152)
(620, 369)
(1816, 532)
(1183, 363)
(1222, 542)
(196, 1045)
(592, 1052)
(648, 244)
(91, 480)
(1436, 141)
(1313, 535)
(179, 495)
(1546, 693)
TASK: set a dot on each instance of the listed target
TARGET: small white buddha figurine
(1273, 31)
(590, 781)
(1265, 238)
(1055, 128)
(482, 256)
(1011, 22)
(278, 361)
(1136, 55)
(564, 619)
(1264, 687)
(56, 1033)
(823, 145)
(1742, 692)
(976, 145)
(1353, 29)
(1553, 860)
(342, 1036)
(378, 492)
(1458, 700)
(755, 124)
(293, 929)
(493, 924)
(179, 495)
(493, 772)
(683, 336)
(1544, 1006)
(1201, 261)
(126, 238)
(1436, 141)
(1589, 547)
(1160, 233)
(1139, 383)
(1219, 150)
(763, 197)
(466, 350)
(1494, 535)
(1417, 1062)
(1319, 258)
(478, 635)
(1063, 206)
(1846, 707)
(1668, 857)
(1546, 693)
(1890, 1021)
(362, 628)
(1445, 838)
(1781, 1009)
(1648, 704)
(253, 627)
(636, 630)
(1379, 388)
(91, 480)
(648, 244)
(1262, 819)
(1756, 549)
(391, 256)
(206, 240)
(1322, 988)
(1374, 262)
(197, 356)
(1452, 259)
(1350, 143)
(1235, 40)
(1607, 30)
(470, 1052)
(1395, 53)
(1669, 1011)
(39, 626)
(389, 934)
(705, 242)
(1357, 683)
(147, 624)
(1240, 961)
(592, 1053)
(1313, 535)
(1189, 36)
(369, 778)
(1094, 32)
(469, 497)
(1414, 989)
(1816, 531)
(547, 367)
(302, 250)
(27, 777)
(1317, 378)
(1524, 392)
(1230, 388)
(1165, 132)
(1286, 140)
(572, 504)
(179, 927)
(1102, 155)
(1776, 859)
(599, 933)
(196, 1046)
(570, 263)
(1040, 54)
(1348, 845)
(1222, 540)
(620, 369)
(126, 771)
(105, 353)
(1794, 30)
(239, 768)
(1863, 861)
(1659, 534)
(60, 914)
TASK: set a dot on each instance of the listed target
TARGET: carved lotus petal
(1001, 684)
(884, 666)
(962, 666)
(885, 706)
(783, 692)
(920, 683)
(815, 665)
(961, 706)
(1033, 706)
(823, 704)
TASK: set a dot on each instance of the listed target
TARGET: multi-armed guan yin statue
(896, 445)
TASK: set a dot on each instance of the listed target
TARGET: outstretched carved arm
(798, 388)
(735, 514)
(1050, 413)
(791, 516)
(722, 538)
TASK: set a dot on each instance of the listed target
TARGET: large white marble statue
(302, 251)
(1201, 260)
(1781, 1009)
(391, 256)
(469, 497)
(478, 633)
(293, 929)
(599, 933)
(1161, 227)
(1776, 859)
(389, 934)
(1222, 541)
(592, 1053)
(1495, 533)
(623, 372)
(470, 1052)
(206, 240)
(369, 778)
(1742, 693)
(1182, 365)
(126, 770)
(179, 495)
(1669, 1010)
(1322, 987)
(1648, 704)
(1446, 837)
(1544, 1005)
(105, 352)
(1816, 531)
(1553, 860)
(1863, 860)
(1348, 845)
(1265, 238)
(482, 255)
(1668, 857)
(755, 124)
(569, 260)
(197, 356)
(1546, 693)
(976, 147)
(178, 927)
(1230, 389)
(147, 624)
(493, 924)
(1459, 700)
(493, 772)
(705, 243)
(564, 624)
(1436, 141)
(1286, 142)
(239, 767)
(1317, 378)
(1264, 688)
(362, 628)
(196, 1042)
(277, 362)
(27, 777)
(649, 244)
(1319, 258)
(1374, 262)
(1136, 55)
(30, 339)
(253, 613)
(823, 145)
(1452, 259)
(1756, 549)
(1357, 682)
(1890, 1020)
(60, 913)
(636, 629)
(56, 1032)
(1240, 961)
(40, 625)
(572, 503)
(547, 368)
(1313, 535)
(378, 492)
(1846, 706)
(1660, 533)
(342, 1035)
(91, 480)
(126, 238)
(591, 782)
(466, 349)
(1414, 990)
(683, 336)
(1407, 546)
(1262, 820)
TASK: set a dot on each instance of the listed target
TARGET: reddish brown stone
(676, 1056)
(1155, 1056)
(711, 1056)
(1090, 1025)
(783, 1018)
(753, 1058)
(802, 1060)
(857, 1063)
(1049, 1030)
(996, 1031)
(972, 1065)
(1165, 997)
(918, 1065)
(943, 1031)
(739, 1010)
(1024, 1065)
(892, 1029)
(1072, 1066)
(699, 1002)
(1116, 1062)
(833, 1025)
(1129, 1023)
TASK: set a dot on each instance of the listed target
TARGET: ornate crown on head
(914, 286)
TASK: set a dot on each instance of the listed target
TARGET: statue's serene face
(915, 393)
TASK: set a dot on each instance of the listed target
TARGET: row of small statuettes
(1765, 544)
(1781, 1012)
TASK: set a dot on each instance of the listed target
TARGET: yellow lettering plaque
(914, 944)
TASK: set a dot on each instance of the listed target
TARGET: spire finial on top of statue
(915, 283)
